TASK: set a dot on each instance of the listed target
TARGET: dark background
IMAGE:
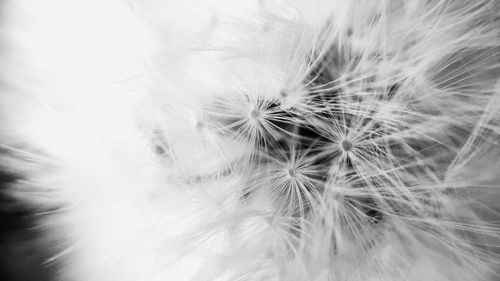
(22, 255)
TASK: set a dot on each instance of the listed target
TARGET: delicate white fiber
(256, 139)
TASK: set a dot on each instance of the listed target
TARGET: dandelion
(258, 140)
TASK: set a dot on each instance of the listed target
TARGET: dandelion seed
(346, 145)
(255, 114)
(200, 125)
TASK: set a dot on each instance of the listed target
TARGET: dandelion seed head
(306, 140)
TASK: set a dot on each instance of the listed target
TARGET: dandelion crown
(253, 139)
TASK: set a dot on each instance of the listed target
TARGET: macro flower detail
(251, 140)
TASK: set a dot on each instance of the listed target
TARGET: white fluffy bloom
(255, 139)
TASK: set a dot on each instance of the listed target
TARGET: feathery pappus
(321, 140)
